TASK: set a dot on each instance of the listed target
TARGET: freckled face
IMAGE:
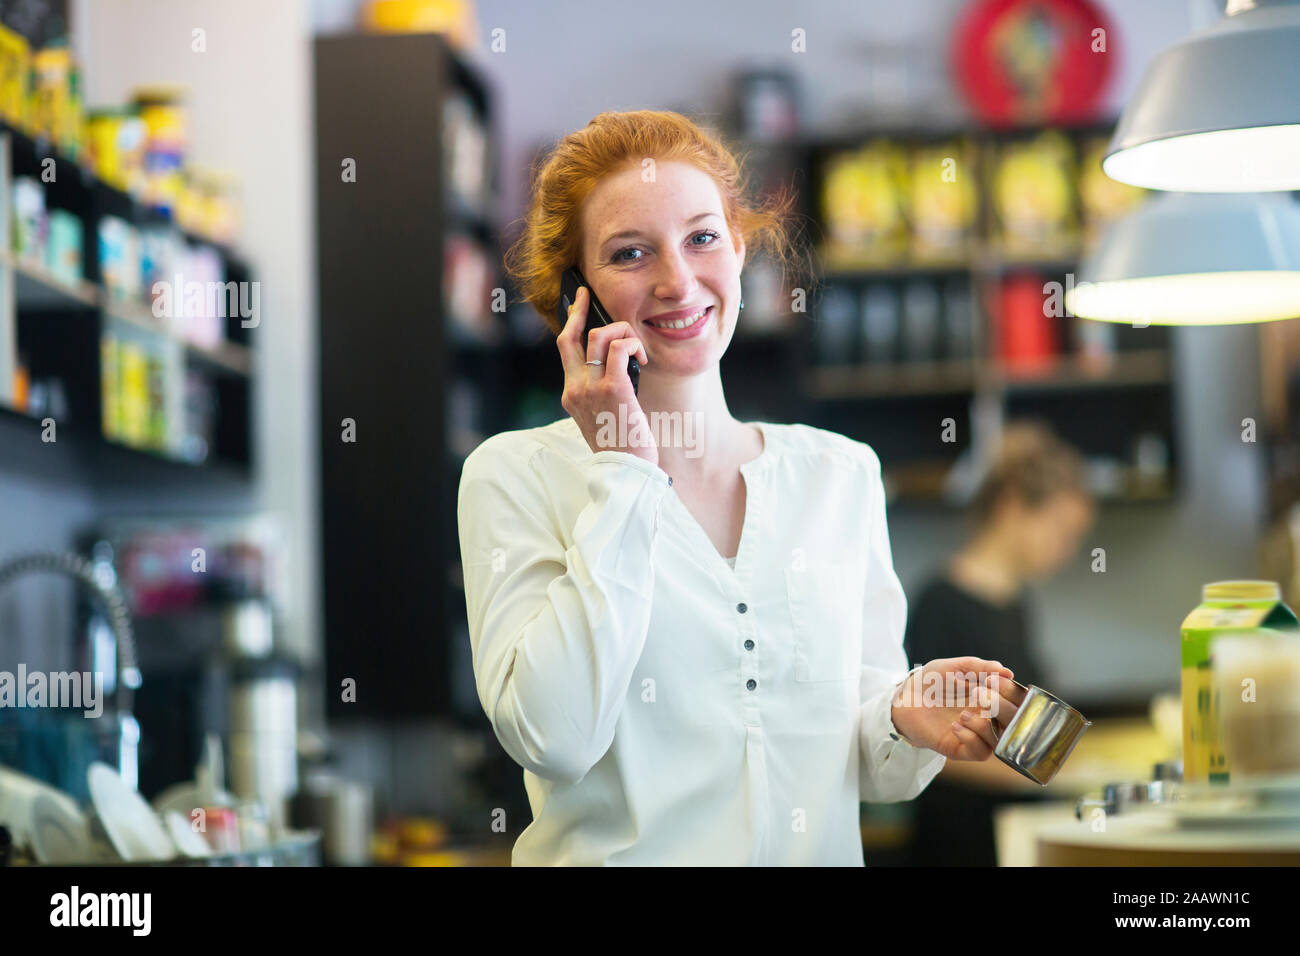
(660, 251)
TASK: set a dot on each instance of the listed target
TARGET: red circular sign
(1033, 61)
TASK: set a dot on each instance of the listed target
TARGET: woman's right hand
(593, 394)
(947, 719)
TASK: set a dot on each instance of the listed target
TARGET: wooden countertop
(1048, 835)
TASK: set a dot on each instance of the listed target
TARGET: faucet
(98, 578)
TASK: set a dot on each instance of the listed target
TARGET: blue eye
(712, 236)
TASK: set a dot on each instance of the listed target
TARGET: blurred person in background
(1030, 514)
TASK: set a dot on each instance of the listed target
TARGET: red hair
(551, 240)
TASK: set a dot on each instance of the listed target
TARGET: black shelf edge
(78, 444)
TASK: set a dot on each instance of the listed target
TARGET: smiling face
(660, 251)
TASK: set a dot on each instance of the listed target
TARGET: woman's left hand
(929, 706)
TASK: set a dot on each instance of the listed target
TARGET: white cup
(1257, 683)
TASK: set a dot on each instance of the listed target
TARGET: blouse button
(670, 480)
(751, 683)
(742, 607)
(749, 645)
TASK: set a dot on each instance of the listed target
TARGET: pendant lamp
(1220, 111)
(1195, 259)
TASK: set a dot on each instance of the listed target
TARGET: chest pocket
(826, 613)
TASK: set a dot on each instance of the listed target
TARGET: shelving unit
(896, 402)
(409, 351)
(61, 323)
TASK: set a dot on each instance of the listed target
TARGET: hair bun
(1032, 464)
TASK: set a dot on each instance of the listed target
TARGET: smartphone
(570, 281)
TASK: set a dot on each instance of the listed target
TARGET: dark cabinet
(388, 202)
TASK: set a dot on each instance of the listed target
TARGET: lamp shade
(1195, 259)
(1220, 111)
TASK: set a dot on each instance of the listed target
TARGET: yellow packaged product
(134, 384)
(189, 202)
(115, 144)
(15, 57)
(110, 387)
(52, 93)
(163, 114)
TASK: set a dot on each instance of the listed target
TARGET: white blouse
(666, 707)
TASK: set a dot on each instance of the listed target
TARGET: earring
(742, 305)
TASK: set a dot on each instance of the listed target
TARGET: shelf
(154, 453)
(923, 484)
(158, 453)
(902, 378)
(919, 482)
(226, 357)
(36, 286)
(1123, 370)
(1049, 257)
(81, 450)
(988, 259)
(1161, 495)
(135, 315)
(843, 263)
(765, 335)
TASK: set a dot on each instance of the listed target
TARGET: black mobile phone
(570, 281)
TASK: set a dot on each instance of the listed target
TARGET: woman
(1030, 513)
(689, 636)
